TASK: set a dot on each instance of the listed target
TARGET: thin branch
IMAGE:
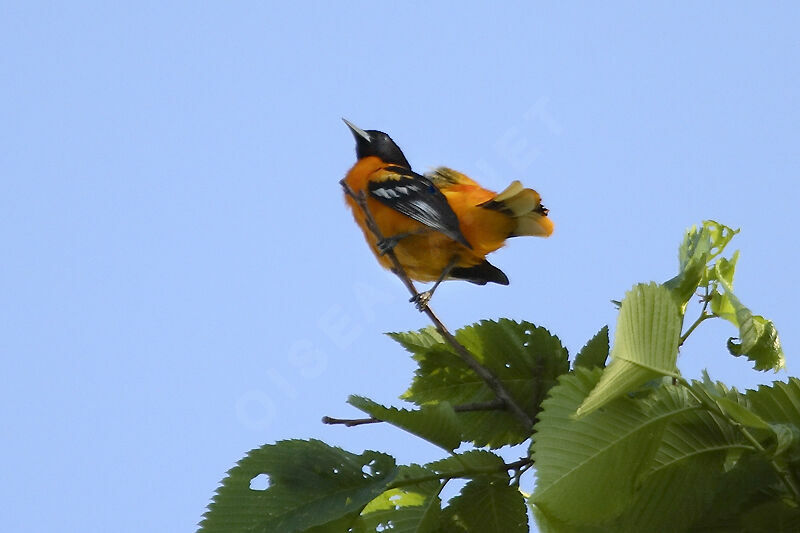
(463, 408)
(466, 472)
(484, 373)
(350, 422)
(704, 315)
(520, 465)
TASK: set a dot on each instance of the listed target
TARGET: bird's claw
(421, 300)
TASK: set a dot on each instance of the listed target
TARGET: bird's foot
(421, 300)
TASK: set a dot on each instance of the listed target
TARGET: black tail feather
(480, 274)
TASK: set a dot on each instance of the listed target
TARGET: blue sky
(181, 281)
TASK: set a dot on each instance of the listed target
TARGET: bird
(439, 225)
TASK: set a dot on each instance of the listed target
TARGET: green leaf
(772, 517)
(722, 307)
(724, 270)
(416, 341)
(525, 358)
(408, 509)
(699, 246)
(468, 464)
(734, 406)
(548, 524)
(687, 469)
(739, 489)
(422, 518)
(668, 492)
(396, 498)
(778, 403)
(741, 414)
(436, 423)
(787, 437)
(488, 505)
(418, 476)
(670, 499)
(758, 338)
(596, 460)
(695, 432)
(595, 352)
(310, 484)
(645, 346)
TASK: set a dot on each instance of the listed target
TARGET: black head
(377, 143)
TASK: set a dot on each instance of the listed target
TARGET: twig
(463, 408)
(350, 422)
(484, 373)
(521, 465)
(517, 466)
(704, 315)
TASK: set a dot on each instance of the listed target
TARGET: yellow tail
(522, 205)
(525, 207)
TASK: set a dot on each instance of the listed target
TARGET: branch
(350, 422)
(704, 315)
(476, 406)
(520, 465)
(517, 466)
(484, 373)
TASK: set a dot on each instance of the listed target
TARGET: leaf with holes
(435, 423)
(411, 508)
(525, 358)
(645, 346)
(489, 505)
(699, 246)
(595, 352)
(422, 518)
(310, 484)
(469, 464)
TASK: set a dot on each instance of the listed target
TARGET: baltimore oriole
(440, 225)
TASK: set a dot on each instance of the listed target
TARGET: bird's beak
(357, 132)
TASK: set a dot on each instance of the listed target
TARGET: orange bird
(440, 225)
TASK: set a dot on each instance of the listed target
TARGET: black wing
(416, 196)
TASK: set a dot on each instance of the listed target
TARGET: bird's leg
(421, 299)
(388, 243)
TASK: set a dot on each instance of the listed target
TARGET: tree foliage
(620, 444)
